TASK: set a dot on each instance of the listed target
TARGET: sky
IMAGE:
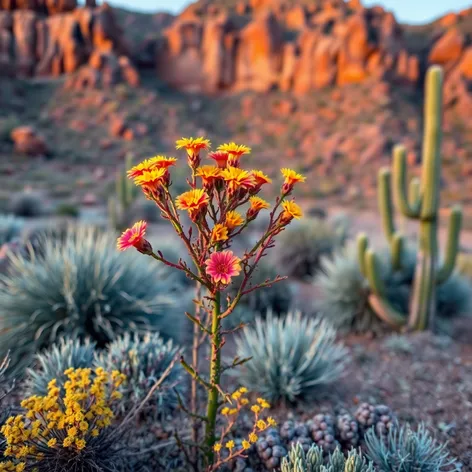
(406, 11)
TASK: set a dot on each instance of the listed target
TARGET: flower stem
(215, 370)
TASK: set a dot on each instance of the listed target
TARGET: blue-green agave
(82, 287)
(291, 356)
(51, 364)
(405, 450)
(143, 359)
(10, 228)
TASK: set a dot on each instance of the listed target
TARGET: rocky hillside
(325, 84)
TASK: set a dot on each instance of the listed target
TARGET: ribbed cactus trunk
(423, 304)
(418, 201)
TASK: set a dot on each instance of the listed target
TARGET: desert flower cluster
(214, 202)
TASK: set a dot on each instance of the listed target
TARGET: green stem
(215, 370)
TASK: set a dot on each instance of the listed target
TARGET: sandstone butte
(216, 46)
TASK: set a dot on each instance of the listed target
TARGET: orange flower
(209, 174)
(291, 211)
(235, 151)
(162, 162)
(233, 219)
(139, 169)
(291, 178)
(193, 201)
(220, 157)
(222, 266)
(193, 145)
(134, 237)
(151, 181)
(260, 178)
(237, 178)
(219, 233)
(257, 204)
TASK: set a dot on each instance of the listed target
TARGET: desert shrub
(143, 359)
(53, 362)
(82, 287)
(27, 204)
(313, 461)
(406, 450)
(344, 292)
(68, 209)
(291, 356)
(302, 246)
(87, 440)
(10, 228)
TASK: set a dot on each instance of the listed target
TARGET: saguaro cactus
(125, 194)
(419, 202)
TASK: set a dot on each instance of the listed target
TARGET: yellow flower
(151, 179)
(253, 438)
(192, 145)
(246, 444)
(233, 219)
(260, 178)
(193, 200)
(208, 174)
(243, 390)
(262, 425)
(80, 443)
(292, 177)
(233, 411)
(244, 401)
(52, 442)
(271, 421)
(237, 179)
(68, 441)
(291, 211)
(225, 411)
(219, 233)
(230, 444)
(234, 149)
(217, 447)
(256, 409)
(258, 203)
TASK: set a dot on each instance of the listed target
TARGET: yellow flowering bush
(62, 425)
(226, 450)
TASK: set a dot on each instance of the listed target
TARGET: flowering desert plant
(216, 193)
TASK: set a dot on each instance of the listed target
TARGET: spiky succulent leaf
(51, 364)
(143, 359)
(10, 228)
(312, 461)
(291, 356)
(302, 245)
(406, 450)
(82, 287)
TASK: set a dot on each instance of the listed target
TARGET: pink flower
(221, 266)
(134, 237)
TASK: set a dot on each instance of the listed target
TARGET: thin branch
(194, 374)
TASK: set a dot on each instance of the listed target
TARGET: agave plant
(51, 364)
(82, 287)
(406, 450)
(10, 228)
(313, 461)
(303, 245)
(143, 359)
(291, 356)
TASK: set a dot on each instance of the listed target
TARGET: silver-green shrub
(82, 287)
(406, 450)
(143, 359)
(313, 461)
(51, 364)
(10, 228)
(291, 356)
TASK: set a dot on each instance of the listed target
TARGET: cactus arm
(414, 196)
(378, 300)
(396, 248)
(400, 184)
(452, 245)
(385, 202)
(432, 144)
(362, 245)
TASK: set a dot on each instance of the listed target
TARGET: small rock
(27, 140)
